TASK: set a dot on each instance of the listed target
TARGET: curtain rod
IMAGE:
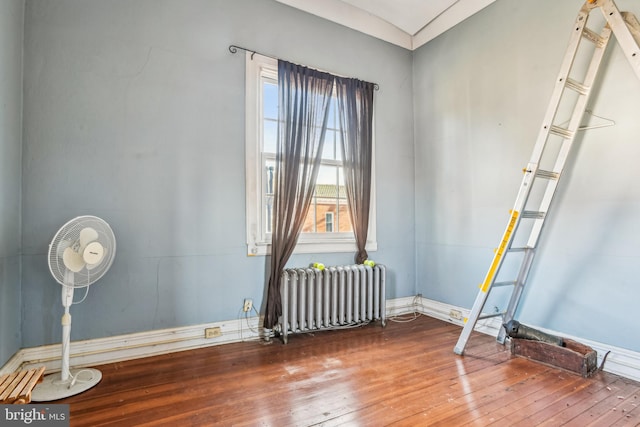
(234, 49)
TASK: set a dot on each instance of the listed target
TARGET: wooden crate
(17, 387)
(573, 357)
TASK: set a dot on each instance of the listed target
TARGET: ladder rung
(489, 316)
(520, 249)
(578, 87)
(500, 284)
(547, 174)
(565, 133)
(593, 36)
(533, 214)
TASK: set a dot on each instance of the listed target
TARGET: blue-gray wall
(481, 91)
(11, 29)
(134, 112)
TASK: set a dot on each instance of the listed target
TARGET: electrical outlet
(455, 314)
(248, 305)
(212, 332)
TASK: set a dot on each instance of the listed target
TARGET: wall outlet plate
(248, 305)
(212, 332)
(455, 314)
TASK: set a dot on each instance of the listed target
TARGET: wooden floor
(403, 375)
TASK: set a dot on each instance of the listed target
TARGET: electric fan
(80, 253)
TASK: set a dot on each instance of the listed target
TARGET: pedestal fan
(80, 253)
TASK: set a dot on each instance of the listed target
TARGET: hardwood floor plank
(468, 402)
(608, 410)
(438, 388)
(575, 402)
(489, 407)
(624, 412)
(631, 414)
(542, 399)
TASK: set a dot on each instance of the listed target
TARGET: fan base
(53, 388)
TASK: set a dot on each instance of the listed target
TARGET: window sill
(263, 249)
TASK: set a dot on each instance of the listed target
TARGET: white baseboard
(12, 364)
(399, 306)
(100, 351)
(133, 346)
(447, 312)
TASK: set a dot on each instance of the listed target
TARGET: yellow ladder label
(500, 251)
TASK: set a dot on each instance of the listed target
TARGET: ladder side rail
(574, 124)
(624, 36)
(470, 322)
(556, 97)
(489, 279)
(517, 291)
(632, 24)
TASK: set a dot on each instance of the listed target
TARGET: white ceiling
(406, 23)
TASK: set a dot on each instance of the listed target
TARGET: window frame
(258, 241)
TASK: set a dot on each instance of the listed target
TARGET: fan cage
(68, 236)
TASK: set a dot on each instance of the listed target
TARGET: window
(327, 227)
(328, 222)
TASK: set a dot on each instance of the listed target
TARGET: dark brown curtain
(355, 103)
(303, 109)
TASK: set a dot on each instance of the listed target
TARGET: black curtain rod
(234, 49)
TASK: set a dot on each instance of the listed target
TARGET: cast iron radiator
(331, 298)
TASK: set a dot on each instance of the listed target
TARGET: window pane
(310, 220)
(270, 129)
(328, 149)
(329, 204)
(269, 185)
(331, 137)
(332, 123)
(270, 100)
(327, 175)
(344, 221)
(338, 147)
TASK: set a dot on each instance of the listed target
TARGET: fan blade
(62, 245)
(93, 254)
(72, 260)
(87, 235)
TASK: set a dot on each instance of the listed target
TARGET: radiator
(331, 298)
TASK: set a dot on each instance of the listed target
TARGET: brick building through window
(329, 203)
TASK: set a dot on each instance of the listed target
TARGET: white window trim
(307, 242)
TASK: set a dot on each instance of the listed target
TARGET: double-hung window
(327, 227)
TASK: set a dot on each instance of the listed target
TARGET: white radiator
(331, 298)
